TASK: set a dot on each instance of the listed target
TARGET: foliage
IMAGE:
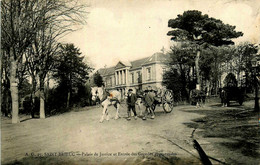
(193, 26)
(98, 80)
(242, 60)
(202, 51)
(182, 61)
(230, 80)
(57, 98)
(70, 66)
(26, 26)
(173, 80)
(83, 96)
(71, 72)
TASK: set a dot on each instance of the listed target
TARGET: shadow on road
(237, 124)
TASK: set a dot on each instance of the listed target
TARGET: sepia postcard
(130, 82)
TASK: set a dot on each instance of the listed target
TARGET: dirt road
(77, 137)
(80, 133)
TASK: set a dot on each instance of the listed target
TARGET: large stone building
(136, 74)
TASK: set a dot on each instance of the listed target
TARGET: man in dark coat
(148, 102)
(131, 99)
(223, 96)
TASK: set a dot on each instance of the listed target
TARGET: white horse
(107, 98)
(97, 93)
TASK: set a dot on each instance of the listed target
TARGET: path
(81, 133)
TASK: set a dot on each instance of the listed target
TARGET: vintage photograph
(130, 82)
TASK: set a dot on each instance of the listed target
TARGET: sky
(132, 29)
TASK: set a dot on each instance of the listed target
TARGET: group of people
(133, 99)
(197, 97)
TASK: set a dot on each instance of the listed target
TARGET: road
(76, 136)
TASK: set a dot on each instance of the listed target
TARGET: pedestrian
(139, 95)
(131, 99)
(223, 96)
(198, 96)
(148, 102)
(203, 97)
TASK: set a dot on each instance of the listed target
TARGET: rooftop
(136, 64)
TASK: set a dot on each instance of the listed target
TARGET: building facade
(136, 74)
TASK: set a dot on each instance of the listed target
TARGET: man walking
(131, 99)
(139, 95)
(148, 102)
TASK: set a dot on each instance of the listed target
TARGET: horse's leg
(117, 105)
(103, 115)
(139, 106)
(105, 105)
(107, 116)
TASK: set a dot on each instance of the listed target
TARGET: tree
(172, 80)
(40, 59)
(181, 64)
(230, 80)
(18, 29)
(22, 21)
(5, 85)
(71, 71)
(213, 62)
(98, 80)
(243, 55)
(201, 31)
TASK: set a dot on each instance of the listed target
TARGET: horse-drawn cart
(165, 98)
(234, 93)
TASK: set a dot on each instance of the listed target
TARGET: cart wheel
(167, 101)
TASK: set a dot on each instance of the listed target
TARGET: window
(139, 77)
(110, 81)
(148, 73)
(132, 78)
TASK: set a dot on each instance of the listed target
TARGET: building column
(116, 78)
(123, 76)
(119, 77)
(126, 76)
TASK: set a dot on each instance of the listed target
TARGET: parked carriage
(228, 94)
(165, 98)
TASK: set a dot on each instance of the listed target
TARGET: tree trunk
(47, 95)
(47, 88)
(197, 67)
(1, 70)
(42, 99)
(69, 92)
(68, 99)
(14, 91)
(34, 84)
(42, 108)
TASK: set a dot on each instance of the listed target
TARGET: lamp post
(254, 65)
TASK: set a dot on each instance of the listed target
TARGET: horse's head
(94, 92)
